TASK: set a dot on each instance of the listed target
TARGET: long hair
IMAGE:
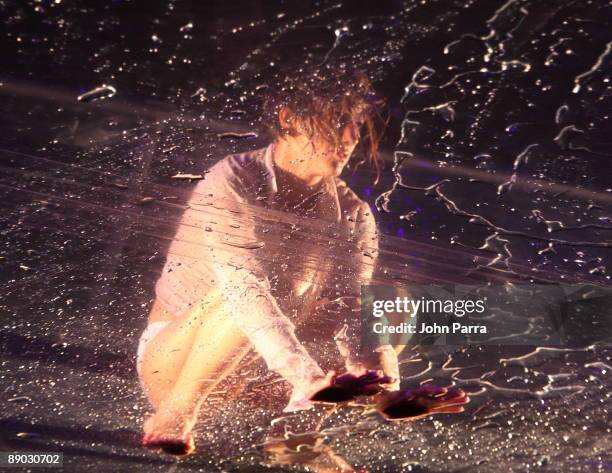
(324, 100)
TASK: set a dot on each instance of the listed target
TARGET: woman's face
(320, 157)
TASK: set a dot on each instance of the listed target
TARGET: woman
(269, 238)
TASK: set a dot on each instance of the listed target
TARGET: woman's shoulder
(352, 206)
(240, 164)
(240, 172)
(349, 200)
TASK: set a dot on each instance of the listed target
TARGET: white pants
(149, 334)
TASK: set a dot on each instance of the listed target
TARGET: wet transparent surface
(497, 168)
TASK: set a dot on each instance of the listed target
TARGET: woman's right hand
(335, 389)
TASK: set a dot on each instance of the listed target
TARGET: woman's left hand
(412, 404)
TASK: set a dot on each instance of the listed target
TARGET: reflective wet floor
(536, 411)
(497, 168)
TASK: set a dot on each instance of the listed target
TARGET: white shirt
(271, 265)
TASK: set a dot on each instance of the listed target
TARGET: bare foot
(412, 404)
(170, 433)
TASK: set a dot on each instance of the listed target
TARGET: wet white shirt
(270, 264)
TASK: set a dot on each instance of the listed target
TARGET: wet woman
(270, 239)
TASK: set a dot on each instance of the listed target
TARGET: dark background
(81, 250)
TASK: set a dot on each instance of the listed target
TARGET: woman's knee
(160, 355)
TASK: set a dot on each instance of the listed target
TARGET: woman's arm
(358, 269)
(234, 255)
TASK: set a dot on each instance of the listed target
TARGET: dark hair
(324, 100)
